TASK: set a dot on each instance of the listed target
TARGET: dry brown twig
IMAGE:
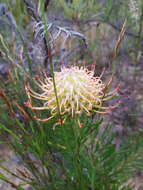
(119, 40)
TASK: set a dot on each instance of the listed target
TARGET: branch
(32, 12)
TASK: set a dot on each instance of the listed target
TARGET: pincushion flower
(77, 91)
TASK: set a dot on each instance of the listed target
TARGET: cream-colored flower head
(78, 91)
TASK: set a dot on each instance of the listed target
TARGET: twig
(32, 11)
(120, 38)
(46, 4)
(55, 32)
